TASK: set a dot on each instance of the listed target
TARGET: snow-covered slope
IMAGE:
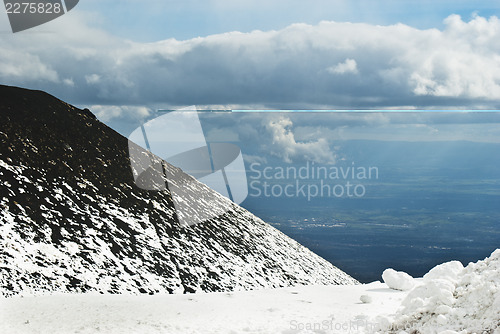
(71, 218)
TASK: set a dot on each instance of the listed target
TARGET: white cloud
(106, 113)
(396, 66)
(348, 66)
(286, 147)
(93, 79)
(26, 66)
(69, 82)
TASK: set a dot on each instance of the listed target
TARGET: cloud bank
(328, 65)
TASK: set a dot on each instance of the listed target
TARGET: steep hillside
(72, 219)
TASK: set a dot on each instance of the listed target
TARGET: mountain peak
(72, 219)
(25, 100)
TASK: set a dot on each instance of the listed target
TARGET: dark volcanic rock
(72, 219)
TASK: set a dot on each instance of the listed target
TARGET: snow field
(304, 309)
(450, 299)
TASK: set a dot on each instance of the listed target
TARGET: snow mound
(398, 280)
(452, 299)
(449, 270)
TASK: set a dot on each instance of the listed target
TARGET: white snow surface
(303, 309)
(458, 301)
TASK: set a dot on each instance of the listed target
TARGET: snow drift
(452, 299)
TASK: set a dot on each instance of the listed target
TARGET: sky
(154, 20)
(125, 59)
(299, 137)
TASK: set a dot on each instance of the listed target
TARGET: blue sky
(152, 20)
